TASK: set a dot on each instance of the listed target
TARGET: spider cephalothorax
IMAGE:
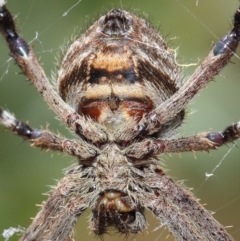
(120, 91)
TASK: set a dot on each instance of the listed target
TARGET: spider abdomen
(112, 75)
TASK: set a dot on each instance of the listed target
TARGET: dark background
(26, 172)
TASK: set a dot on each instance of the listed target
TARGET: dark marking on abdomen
(100, 76)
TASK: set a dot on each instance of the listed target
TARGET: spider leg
(218, 57)
(59, 213)
(185, 217)
(204, 141)
(47, 139)
(27, 61)
(201, 142)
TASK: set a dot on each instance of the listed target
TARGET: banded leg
(27, 61)
(200, 142)
(182, 213)
(46, 139)
(204, 141)
(210, 67)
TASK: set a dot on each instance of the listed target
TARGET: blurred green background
(26, 172)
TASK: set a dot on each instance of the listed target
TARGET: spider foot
(18, 127)
(230, 41)
(7, 27)
(231, 133)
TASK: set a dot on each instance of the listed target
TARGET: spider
(120, 92)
